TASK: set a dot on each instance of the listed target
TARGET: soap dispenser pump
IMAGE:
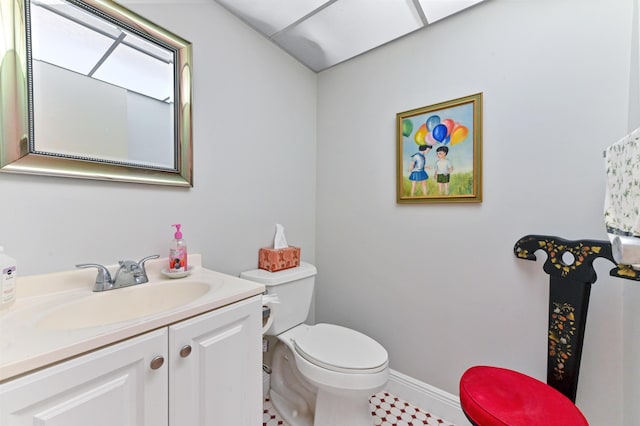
(178, 252)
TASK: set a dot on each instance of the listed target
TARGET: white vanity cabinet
(215, 368)
(107, 387)
(201, 371)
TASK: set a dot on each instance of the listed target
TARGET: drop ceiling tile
(347, 28)
(434, 10)
(271, 16)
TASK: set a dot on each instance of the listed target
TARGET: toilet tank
(294, 289)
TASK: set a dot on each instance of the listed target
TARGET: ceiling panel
(323, 33)
(271, 16)
(435, 10)
(346, 29)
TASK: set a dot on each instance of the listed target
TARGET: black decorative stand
(570, 268)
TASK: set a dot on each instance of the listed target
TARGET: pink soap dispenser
(178, 252)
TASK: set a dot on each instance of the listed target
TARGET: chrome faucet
(129, 273)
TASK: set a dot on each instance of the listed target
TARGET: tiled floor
(386, 410)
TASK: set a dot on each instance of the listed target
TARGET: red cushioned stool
(491, 396)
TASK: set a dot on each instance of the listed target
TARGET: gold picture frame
(439, 152)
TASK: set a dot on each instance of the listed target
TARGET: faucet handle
(103, 278)
(138, 270)
(141, 263)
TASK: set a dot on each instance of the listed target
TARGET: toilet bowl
(322, 374)
(333, 372)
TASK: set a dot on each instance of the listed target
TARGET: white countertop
(25, 345)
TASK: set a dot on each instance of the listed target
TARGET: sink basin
(123, 304)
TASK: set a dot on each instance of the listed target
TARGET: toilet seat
(341, 349)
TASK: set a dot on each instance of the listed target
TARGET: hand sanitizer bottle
(7, 280)
(178, 252)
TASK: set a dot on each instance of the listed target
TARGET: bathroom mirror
(89, 89)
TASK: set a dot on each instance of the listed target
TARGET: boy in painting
(444, 168)
(417, 171)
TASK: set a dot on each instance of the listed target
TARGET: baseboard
(436, 401)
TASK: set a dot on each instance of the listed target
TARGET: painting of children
(452, 129)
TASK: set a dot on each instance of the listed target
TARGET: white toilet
(322, 374)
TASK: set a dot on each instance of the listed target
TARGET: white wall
(438, 285)
(631, 293)
(631, 389)
(254, 148)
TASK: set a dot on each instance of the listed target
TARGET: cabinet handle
(185, 351)
(156, 362)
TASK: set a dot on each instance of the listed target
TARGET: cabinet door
(218, 381)
(108, 387)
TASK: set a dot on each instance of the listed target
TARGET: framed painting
(439, 152)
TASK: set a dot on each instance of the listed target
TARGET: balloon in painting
(450, 124)
(439, 132)
(420, 135)
(432, 122)
(459, 134)
(407, 127)
(429, 139)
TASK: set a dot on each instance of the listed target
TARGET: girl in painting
(417, 171)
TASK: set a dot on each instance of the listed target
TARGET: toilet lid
(341, 349)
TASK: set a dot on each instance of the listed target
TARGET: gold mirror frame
(15, 114)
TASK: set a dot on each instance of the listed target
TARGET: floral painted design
(584, 252)
(561, 332)
(579, 252)
(523, 253)
(622, 206)
(626, 271)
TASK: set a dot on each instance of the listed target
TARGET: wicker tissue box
(277, 259)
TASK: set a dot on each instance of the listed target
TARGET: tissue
(281, 256)
(279, 242)
(626, 250)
